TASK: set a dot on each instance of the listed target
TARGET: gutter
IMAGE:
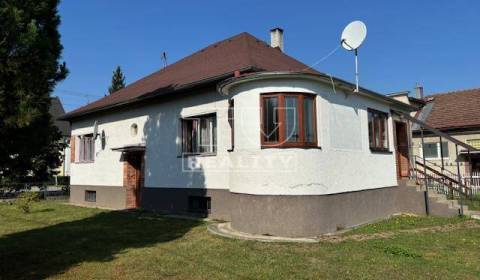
(224, 86)
(155, 94)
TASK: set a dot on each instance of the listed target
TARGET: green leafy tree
(30, 50)
(118, 80)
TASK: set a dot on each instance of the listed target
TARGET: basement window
(91, 196)
(199, 204)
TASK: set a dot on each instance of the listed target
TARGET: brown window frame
(378, 147)
(282, 141)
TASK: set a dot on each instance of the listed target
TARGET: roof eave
(155, 94)
(224, 86)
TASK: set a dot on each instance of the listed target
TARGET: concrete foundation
(110, 197)
(279, 215)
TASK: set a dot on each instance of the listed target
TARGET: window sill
(283, 146)
(380, 151)
(197, 155)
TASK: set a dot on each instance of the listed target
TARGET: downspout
(427, 205)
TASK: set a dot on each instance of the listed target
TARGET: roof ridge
(454, 91)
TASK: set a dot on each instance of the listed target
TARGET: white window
(199, 134)
(432, 150)
(86, 148)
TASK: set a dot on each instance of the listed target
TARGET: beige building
(454, 113)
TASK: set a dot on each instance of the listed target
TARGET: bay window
(378, 130)
(199, 134)
(288, 120)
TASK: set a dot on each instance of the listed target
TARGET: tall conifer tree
(30, 51)
(118, 80)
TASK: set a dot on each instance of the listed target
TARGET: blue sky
(434, 43)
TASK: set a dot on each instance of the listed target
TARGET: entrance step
(442, 199)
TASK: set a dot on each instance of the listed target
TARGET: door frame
(404, 151)
(133, 178)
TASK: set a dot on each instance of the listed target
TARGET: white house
(240, 131)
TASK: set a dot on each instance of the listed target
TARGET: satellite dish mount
(352, 38)
(95, 130)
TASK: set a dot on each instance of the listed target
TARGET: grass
(473, 204)
(404, 222)
(65, 242)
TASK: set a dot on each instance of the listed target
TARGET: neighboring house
(240, 131)
(456, 113)
(57, 111)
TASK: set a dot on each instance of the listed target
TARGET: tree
(118, 80)
(30, 51)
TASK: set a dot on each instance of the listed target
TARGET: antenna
(164, 59)
(352, 38)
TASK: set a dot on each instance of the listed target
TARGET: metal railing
(442, 181)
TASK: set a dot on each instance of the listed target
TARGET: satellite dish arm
(356, 70)
(345, 42)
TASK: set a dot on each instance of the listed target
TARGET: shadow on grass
(43, 210)
(47, 251)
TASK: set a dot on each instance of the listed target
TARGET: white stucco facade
(159, 130)
(342, 162)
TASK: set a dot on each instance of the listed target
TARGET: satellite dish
(103, 138)
(95, 130)
(352, 38)
(353, 35)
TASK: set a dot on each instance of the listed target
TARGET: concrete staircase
(441, 199)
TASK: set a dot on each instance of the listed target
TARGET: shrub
(25, 200)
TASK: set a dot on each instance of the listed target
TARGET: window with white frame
(86, 149)
(199, 134)
(432, 150)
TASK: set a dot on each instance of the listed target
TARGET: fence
(472, 181)
(53, 189)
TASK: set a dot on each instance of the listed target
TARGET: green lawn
(473, 204)
(66, 242)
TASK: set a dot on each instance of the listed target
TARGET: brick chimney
(276, 38)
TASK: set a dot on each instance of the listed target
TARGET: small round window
(133, 129)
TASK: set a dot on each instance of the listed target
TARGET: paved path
(225, 230)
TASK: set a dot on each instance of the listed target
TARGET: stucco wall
(450, 161)
(343, 161)
(159, 128)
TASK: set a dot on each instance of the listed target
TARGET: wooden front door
(133, 178)
(403, 163)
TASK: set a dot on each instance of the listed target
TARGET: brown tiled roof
(458, 109)
(240, 52)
